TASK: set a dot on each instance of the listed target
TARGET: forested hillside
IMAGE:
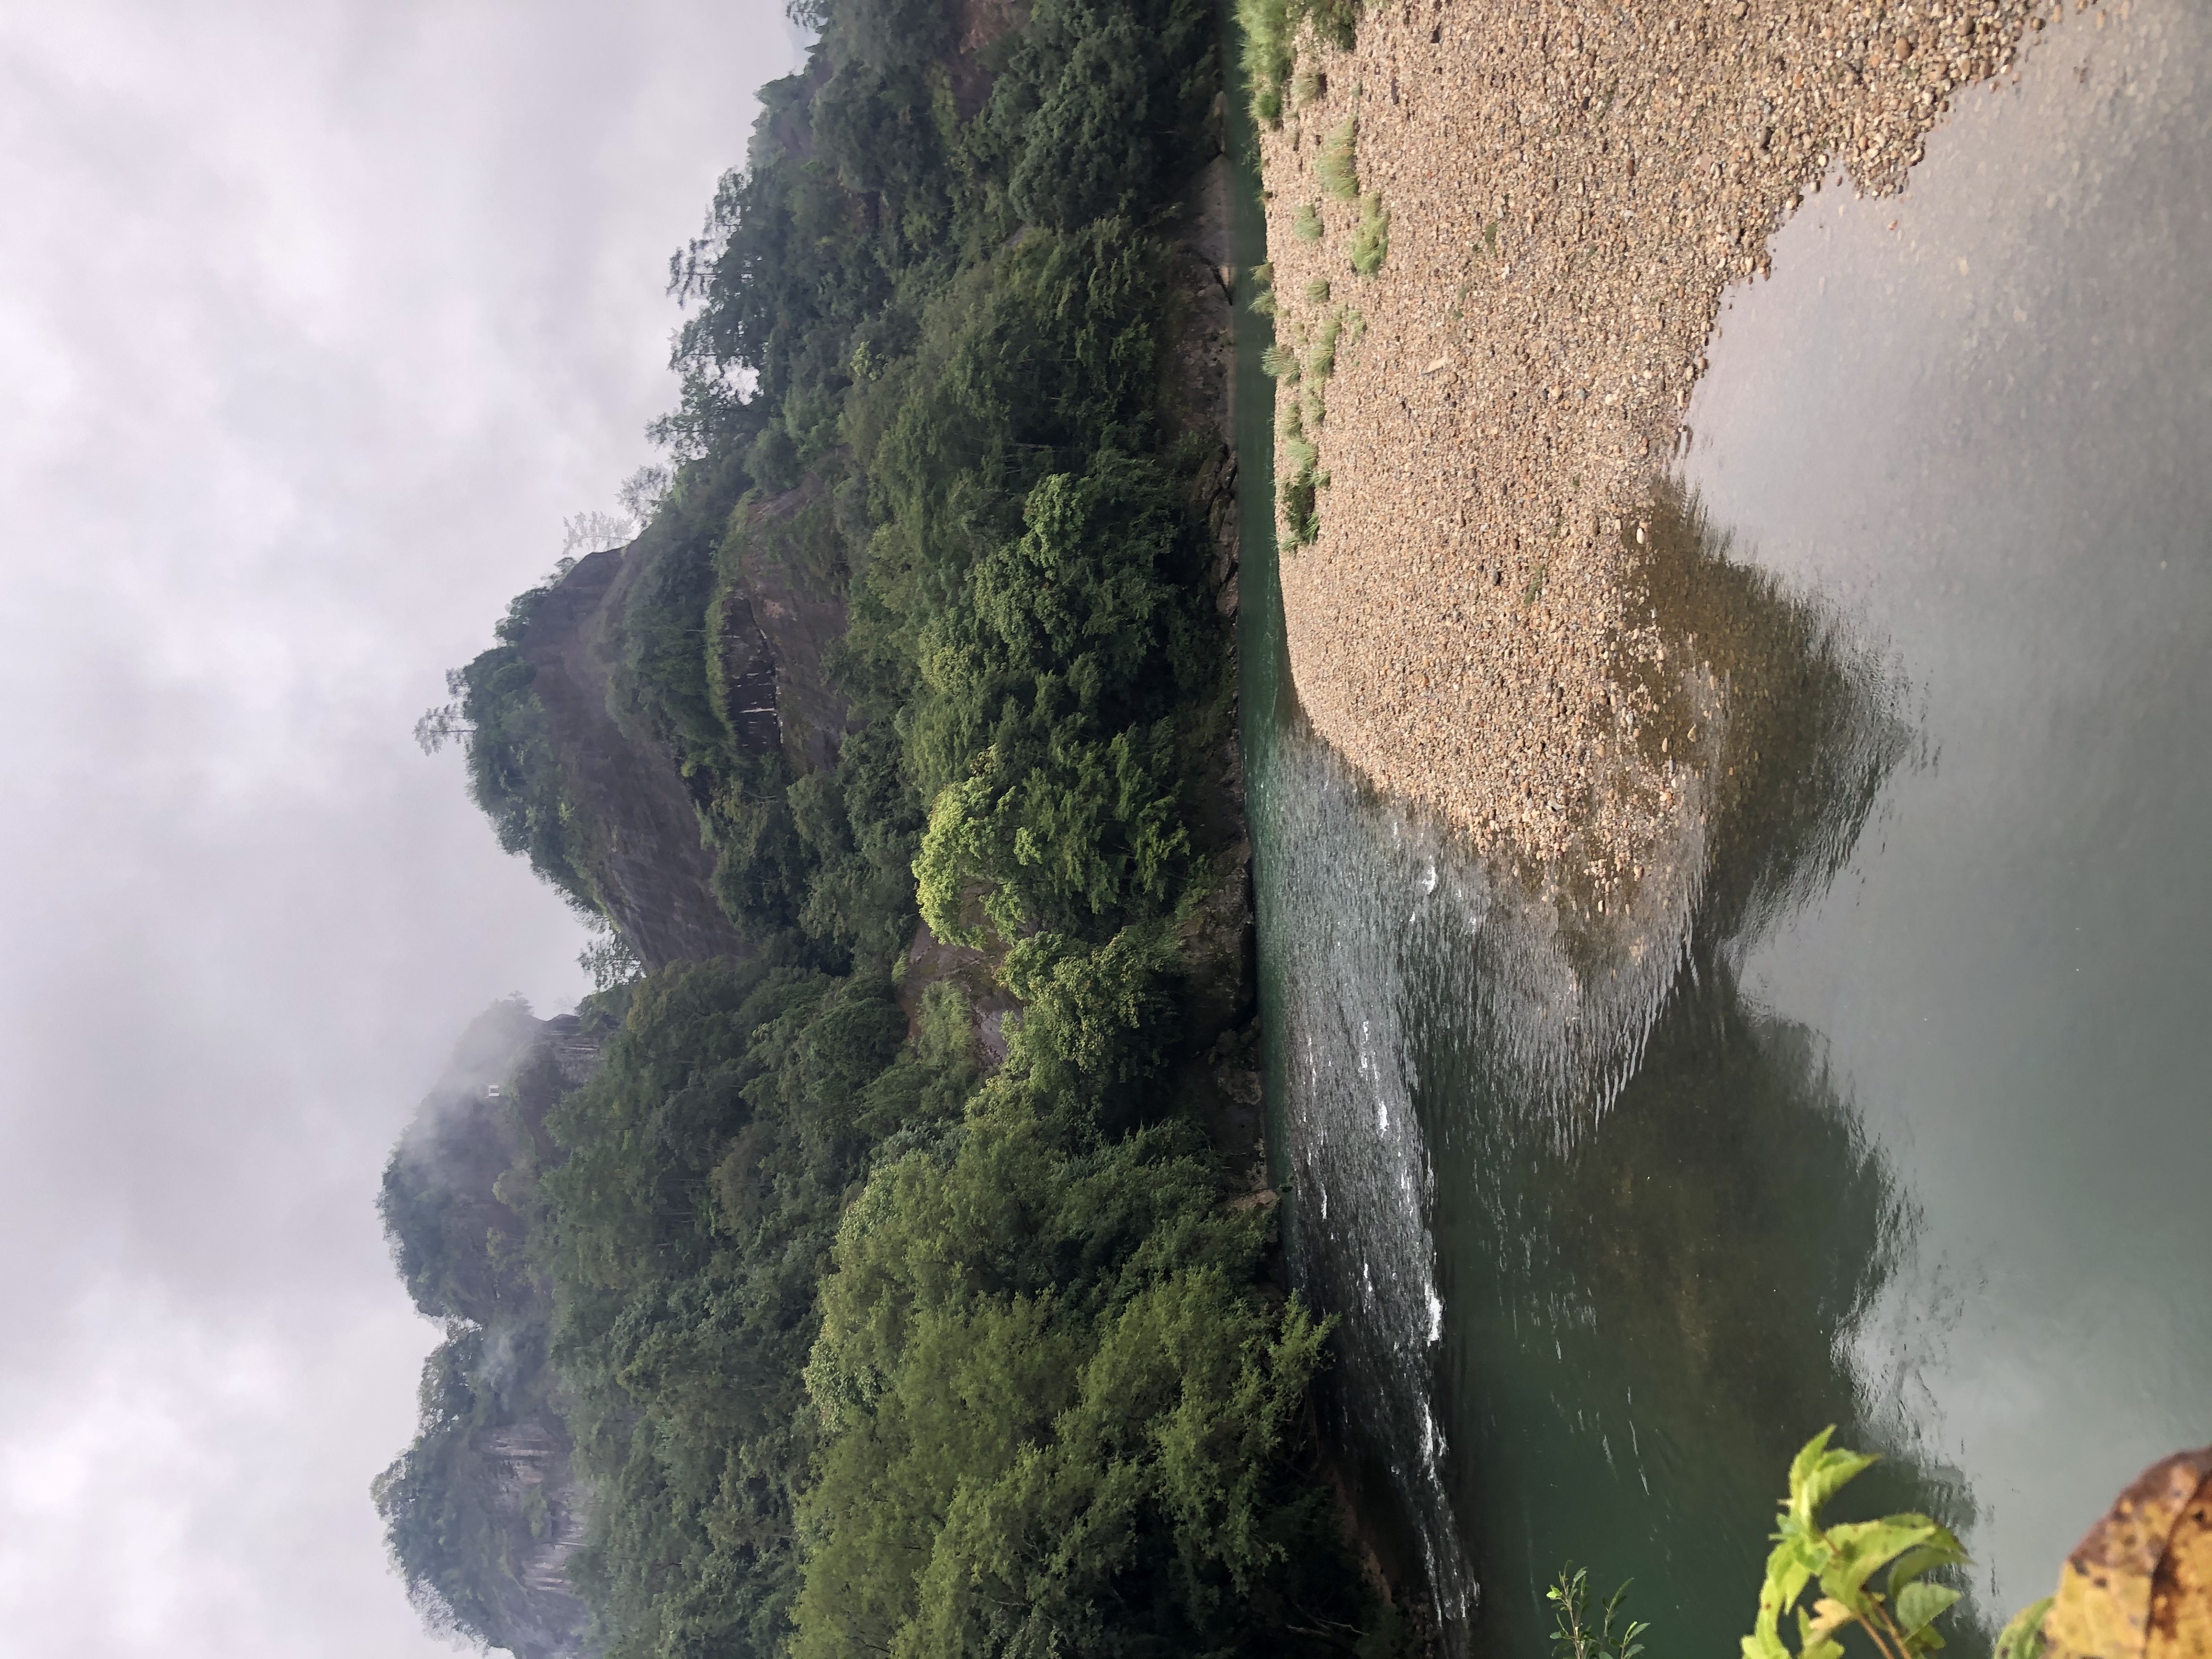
(876, 1325)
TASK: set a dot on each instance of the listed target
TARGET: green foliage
(1266, 27)
(1059, 1418)
(1051, 684)
(1280, 364)
(845, 1330)
(2022, 1636)
(1322, 364)
(1370, 237)
(1097, 1019)
(439, 1529)
(1843, 1560)
(1263, 290)
(1336, 22)
(683, 1235)
(514, 776)
(1297, 483)
(1270, 29)
(1317, 291)
(659, 684)
(1113, 96)
(1574, 1635)
(1337, 166)
(1306, 224)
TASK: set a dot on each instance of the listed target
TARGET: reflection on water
(1884, 1103)
(1598, 1231)
(1801, 723)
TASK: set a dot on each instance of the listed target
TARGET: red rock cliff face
(652, 870)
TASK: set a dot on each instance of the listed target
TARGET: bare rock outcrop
(652, 869)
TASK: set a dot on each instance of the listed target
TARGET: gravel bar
(1569, 189)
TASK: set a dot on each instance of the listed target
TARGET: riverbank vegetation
(1281, 39)
(867, 1337)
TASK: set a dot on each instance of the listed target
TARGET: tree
(440, 726)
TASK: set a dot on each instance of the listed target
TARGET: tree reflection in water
(1651, 1216)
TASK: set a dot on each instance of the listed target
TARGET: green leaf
(1800, 1467)
(1787, 1573)
(1928, 1557)
(1828, 1475)
(1863, 1547)
(2023, 1638)
(1919, 1604)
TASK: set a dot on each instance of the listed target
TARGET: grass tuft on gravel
(1266, 26)
(1306, 226)
(1322, 363)
(1297, 484)
(1337, 166)
(1270, 32)
(1263, 290)
(1370, 237)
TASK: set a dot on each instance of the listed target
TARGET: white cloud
(317, 319)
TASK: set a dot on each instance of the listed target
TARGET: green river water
(1898, 1120)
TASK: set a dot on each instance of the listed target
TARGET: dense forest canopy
(867, 1338)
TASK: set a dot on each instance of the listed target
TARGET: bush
(514, 776)
(1270, 28)
(1115, 103)
(1266, 26)
(1082, 1436)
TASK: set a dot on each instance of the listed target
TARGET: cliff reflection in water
(1598, 1229)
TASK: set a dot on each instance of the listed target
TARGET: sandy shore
(1570, 188)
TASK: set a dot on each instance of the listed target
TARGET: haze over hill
(317, 320)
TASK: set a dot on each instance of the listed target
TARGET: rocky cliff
(484, 1511)
(792, 583)
(651, 870)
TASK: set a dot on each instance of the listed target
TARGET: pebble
(1570, 187)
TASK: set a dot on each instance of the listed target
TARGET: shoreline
(1566, 196)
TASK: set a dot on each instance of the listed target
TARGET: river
(1899, 1118)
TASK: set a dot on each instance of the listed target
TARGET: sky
(316, 321)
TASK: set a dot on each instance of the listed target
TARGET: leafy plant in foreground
(1843, 1560)
(1572, 1637)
